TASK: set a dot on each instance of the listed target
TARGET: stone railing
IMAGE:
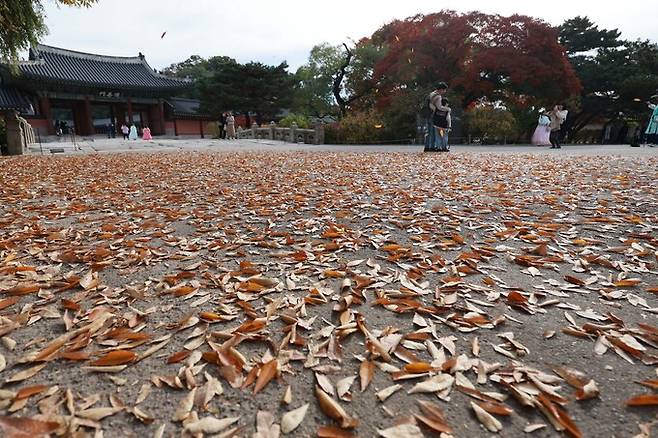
(289, 135)
(19, 134)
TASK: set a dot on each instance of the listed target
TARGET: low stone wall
(290, 135)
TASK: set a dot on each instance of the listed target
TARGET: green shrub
(356, 128)
(491, 124)
(301, 121)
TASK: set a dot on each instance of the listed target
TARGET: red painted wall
(42, 124)
(189, 127)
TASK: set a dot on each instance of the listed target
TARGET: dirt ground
(499, 290)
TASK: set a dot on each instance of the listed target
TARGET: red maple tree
(516, 59)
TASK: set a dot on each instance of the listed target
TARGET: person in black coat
(222, 125)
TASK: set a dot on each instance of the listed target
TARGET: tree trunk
(338, 80)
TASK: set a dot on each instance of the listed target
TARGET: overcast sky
(274, 31)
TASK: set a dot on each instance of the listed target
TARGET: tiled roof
(186, 108)
(53, 64)
(11, 98)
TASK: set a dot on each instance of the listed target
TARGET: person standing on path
(543, 131)
(557, 116)
(125, 130)
(230, 126)
(652, 128)
(221, 125)
(429, 107)
(133, 132)
(442, 123)
(146, 133)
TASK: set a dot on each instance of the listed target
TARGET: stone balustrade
(289, 135)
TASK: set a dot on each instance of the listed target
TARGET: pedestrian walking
(427, 113)
(557, 116)
(651, 132)
(125, 131)
(542, 134)
(133, 132)
(146, 133)
(442, 124)
(230, 126)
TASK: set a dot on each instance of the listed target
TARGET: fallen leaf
(366, 372)
(267, 372)
(402, 431)
(210, 425)
(114, 358)
(330, 407)
(292, 419)
(488, 421)
(21, 427)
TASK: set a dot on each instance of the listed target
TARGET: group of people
(549, 127)
(226, 124)
(437, 113)
(131, 133)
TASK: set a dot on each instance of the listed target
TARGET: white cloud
(272, 32)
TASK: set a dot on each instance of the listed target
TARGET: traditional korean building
(91, 93)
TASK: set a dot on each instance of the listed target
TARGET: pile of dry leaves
(330, 295)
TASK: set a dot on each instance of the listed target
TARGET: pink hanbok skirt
(541, 137)
(146, 135)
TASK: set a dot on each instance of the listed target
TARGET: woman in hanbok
(542, 134)
(652, 128)
(146, 134)
(133, 132)
(230, 127)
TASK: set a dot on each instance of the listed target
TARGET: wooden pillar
(201, 127)
(161, 118)
(175, 127)
(87, 118)
(44, 102)
(129, 108)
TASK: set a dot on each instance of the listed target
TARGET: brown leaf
(20, 427)
(643, 400)
(178, 357)
(574, 280)
(23, 290)
(495, 408)
(630, 282)
(120, 357)
(29, 391)
(8, 302)
(418, 367)
(653, 384)
(334, 410)
(252, 326)
(267, 373)
(366, 372)
(333, 432)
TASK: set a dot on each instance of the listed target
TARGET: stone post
(293, 133)
(15, 143)
(254, 126)
(272, 130)
(319, 133)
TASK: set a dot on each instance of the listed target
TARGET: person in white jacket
(557, 116)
